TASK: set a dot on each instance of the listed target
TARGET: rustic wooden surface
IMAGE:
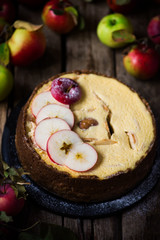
(83, 50)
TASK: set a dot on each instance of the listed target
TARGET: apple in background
(7, 10)
(108, 25)
(153, 29)
(57, 16)
(120, 6)
(27, 43)
(6, 82)
(9, 203)
(32, 3)
(142, 62)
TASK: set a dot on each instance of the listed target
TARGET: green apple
(110, 24)
(6, 82)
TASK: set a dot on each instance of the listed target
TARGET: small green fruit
(6, 82)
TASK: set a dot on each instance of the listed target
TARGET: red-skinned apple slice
(46, 128)
(43, 99)
(56, 111)
(82, 157)
(66, 148)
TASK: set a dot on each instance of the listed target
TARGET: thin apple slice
(42, 100)
(59, 144)
(82, 157)
(46, 128)
(55, 111)
(66, 148)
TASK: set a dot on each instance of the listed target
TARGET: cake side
(66, 185)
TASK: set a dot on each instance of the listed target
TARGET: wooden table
(83, 50)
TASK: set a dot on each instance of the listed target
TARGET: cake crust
(62, 183)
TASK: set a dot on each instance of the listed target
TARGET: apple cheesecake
(86, 137)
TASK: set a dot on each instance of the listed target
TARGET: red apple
(122, 6)
(27, 43)
(142, 62)
(9, 203)
(7, 10)
(153, 29)
(60, 16)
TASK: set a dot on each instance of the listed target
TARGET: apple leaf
(27, 25)
(49, 232)
(4, 54)
(81, 23)
(123, 36)
(13, 177)
(122, 2)
(5, 218)
(73, 11)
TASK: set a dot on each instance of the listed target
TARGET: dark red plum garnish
(65, 90)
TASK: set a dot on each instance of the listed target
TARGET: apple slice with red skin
(56, 111)
(42, 100)
(46, 128)
(66, 148)
(9, 203)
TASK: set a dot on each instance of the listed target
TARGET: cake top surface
(119, 125)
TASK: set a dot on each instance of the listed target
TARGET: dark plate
(62, 206)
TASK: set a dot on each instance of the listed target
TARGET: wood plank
(75, 225)
(141, 220)
(108, 228)
(84, 50)
(88, 229)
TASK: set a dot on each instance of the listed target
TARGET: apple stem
(68, 89)
(113, 22)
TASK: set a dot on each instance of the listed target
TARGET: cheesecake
(92, 150)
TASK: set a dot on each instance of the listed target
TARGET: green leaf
(51, 231)
(4, 54)
(5, 218)
(72, 10)
(20, 191)
(81, 23)
(5, 165)
(122, 2)
(6, 174)
(13, 172)
(58, 11)
(28, 236)
(123, 36)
